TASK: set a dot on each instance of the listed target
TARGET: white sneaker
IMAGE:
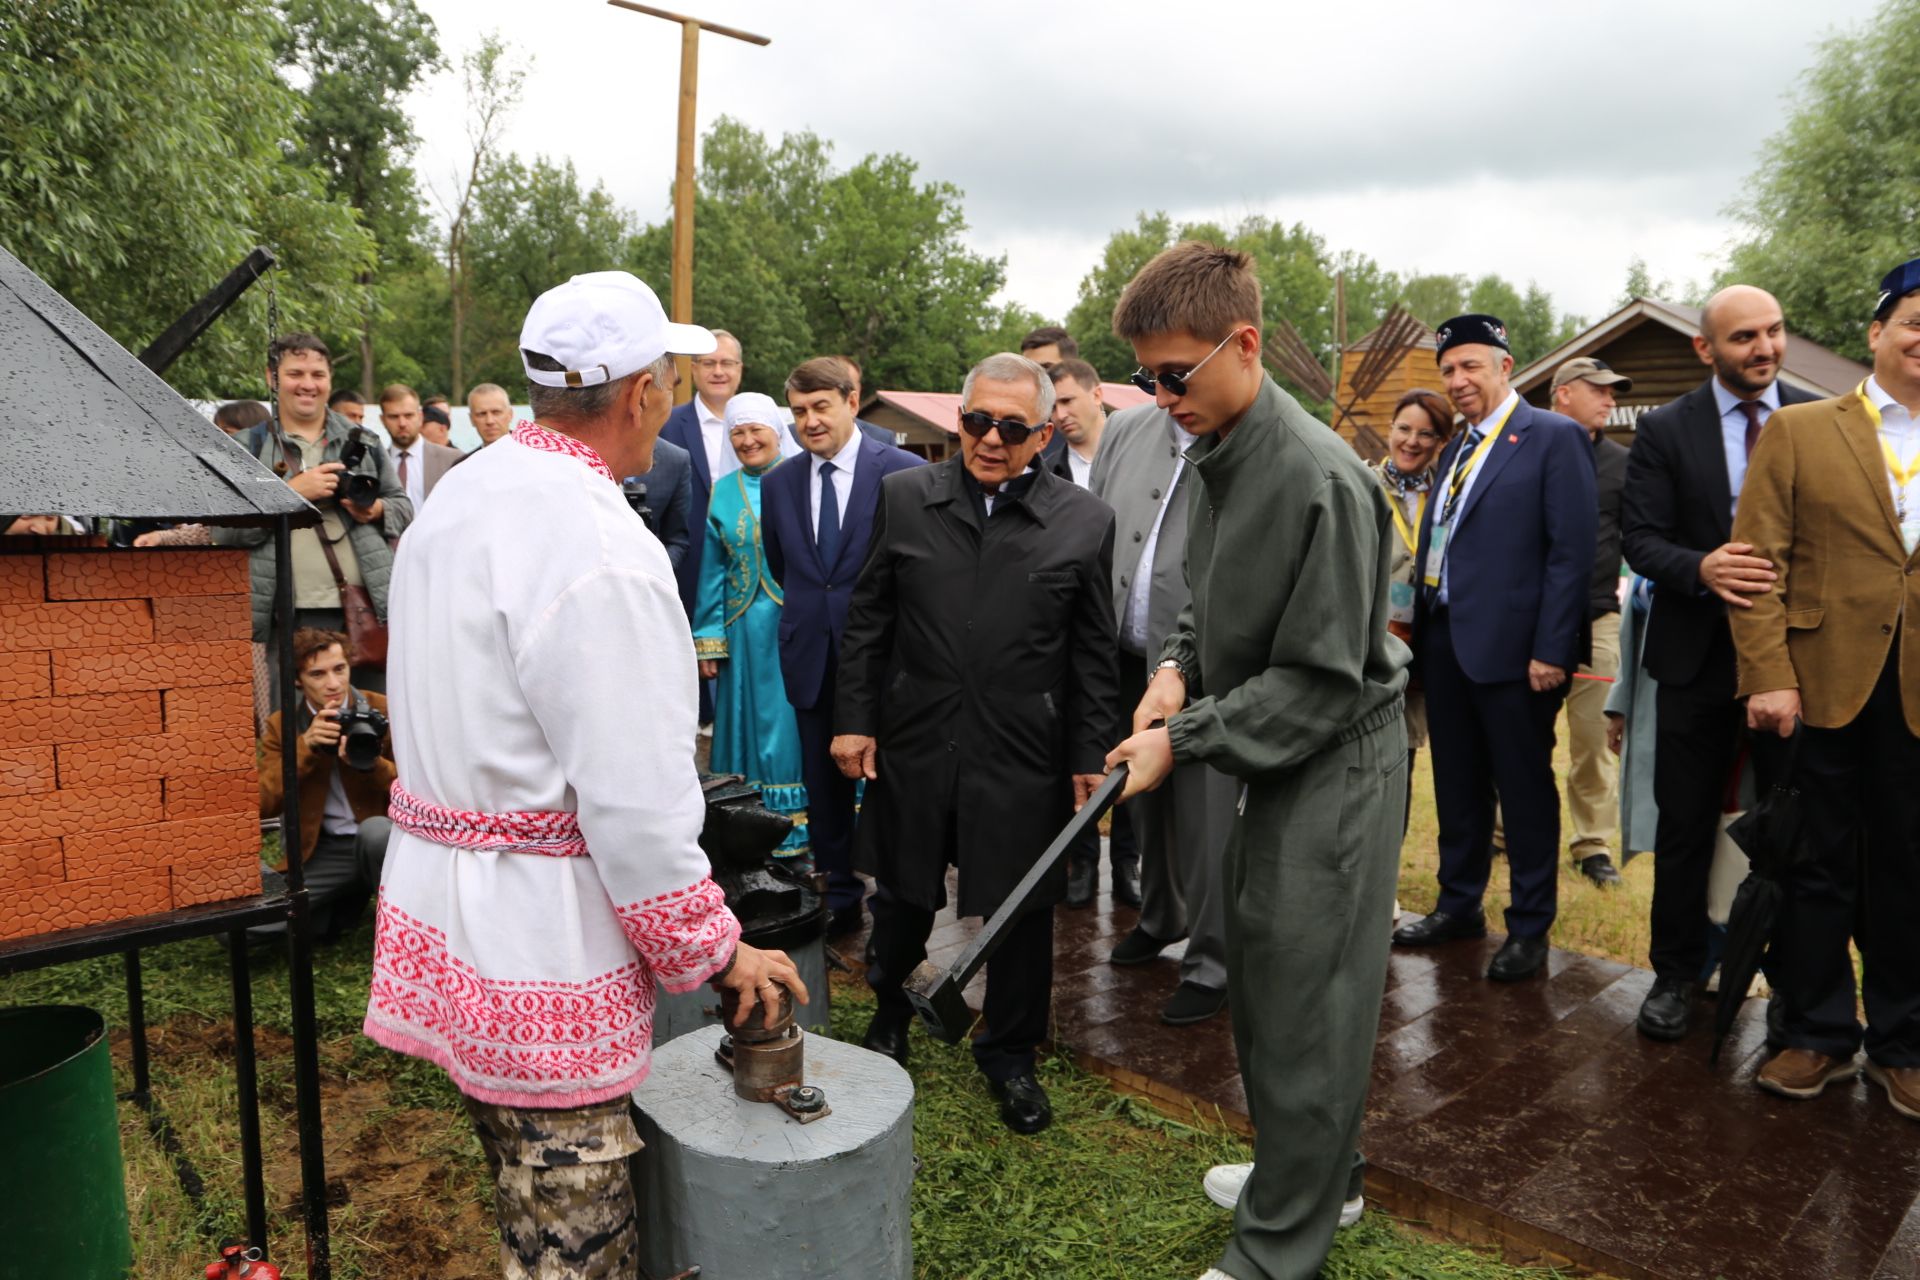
(1215, 1273)
(1223, 1184)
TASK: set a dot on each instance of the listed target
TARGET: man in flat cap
(1684, 478)
(1500, 620)
(1833, 498)
(1584, 389)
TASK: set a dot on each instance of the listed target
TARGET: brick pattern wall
(127, 781)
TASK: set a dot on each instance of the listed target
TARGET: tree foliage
(140, 160)
(1835, 197)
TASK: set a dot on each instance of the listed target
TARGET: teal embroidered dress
(737, 618)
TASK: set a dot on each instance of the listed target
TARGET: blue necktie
(1461, 470)
(827, 538)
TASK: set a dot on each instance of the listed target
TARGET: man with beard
(1684, 474)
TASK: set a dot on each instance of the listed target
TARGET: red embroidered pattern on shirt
(535, 436)
(685, 936)
(552, 832)
(545, 1035)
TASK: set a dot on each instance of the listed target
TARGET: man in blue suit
(668, 492)
(1500, 620)
(700, 427)
(816, 514)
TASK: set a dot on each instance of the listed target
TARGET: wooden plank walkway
(1533, 1117)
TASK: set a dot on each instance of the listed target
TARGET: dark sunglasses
(1012, 431)
(1175, 383)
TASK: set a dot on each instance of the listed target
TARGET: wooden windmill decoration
(1288, 355)
(1398, 334)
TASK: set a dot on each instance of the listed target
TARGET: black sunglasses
(1175, 383)
(1012, 430)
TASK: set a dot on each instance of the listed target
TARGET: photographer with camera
(663, 496)
(345, 472)
(345, 760)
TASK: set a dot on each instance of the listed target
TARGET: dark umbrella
(1772, 834)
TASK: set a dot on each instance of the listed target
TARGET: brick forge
(127, 783)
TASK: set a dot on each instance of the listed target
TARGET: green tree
(1834, 200)
(134, 176)
(1091, 320)
(1434, 299)
(358, 59)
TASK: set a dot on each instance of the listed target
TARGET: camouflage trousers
(562, 1191)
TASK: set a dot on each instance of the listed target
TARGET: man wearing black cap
(1506, 560)
(1684, 478)
(1833, 497)
(1584, 389)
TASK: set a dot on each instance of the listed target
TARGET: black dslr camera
(357, 486)
(634, 490)
(362, 730)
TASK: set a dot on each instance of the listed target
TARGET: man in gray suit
(1181, 829)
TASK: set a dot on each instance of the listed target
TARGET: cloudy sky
(1544, 141)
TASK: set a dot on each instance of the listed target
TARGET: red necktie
(1752, 409)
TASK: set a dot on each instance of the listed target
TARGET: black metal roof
(87, 430)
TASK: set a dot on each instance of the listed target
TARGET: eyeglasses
(1175, 383)
(1012, 431)
(710, 362)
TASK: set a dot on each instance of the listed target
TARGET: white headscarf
(751, 406)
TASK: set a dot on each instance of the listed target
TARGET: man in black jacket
(977, 687)
(1584, 390)
(1684, 474)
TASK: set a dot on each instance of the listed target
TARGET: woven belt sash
(551, 832)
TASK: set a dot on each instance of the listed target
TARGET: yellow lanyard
(1903, 473)
(1400, 518)
(1464, 467)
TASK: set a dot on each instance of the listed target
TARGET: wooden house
(1365, 424)
(928, 422)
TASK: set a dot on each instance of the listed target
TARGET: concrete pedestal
(674, 1016)
(747, 1193)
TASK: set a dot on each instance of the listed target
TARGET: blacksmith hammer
(937, 993)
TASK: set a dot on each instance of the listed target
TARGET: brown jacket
(366, 792)
(1817, 503)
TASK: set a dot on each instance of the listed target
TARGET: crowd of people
(928, 666)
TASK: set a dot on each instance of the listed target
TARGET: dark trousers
(1019, 981)
(1697, 734)
(830, 800)
(1488, 736)
(1862, 786)
(1121, 847)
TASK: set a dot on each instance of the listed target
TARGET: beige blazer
(1817, 503)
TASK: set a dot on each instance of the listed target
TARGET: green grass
(1112, 1190)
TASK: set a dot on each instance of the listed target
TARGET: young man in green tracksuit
(1280, 673)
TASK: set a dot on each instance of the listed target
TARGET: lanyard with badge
(1463, 469)
(1400, 594)
(1903, 473)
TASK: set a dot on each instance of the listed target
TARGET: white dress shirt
(843, 462)
(1733, 432)
(1133, 627)
(721, 459)
(1900, 433)
(1500, 412)
(1082, 467)
(416, 456)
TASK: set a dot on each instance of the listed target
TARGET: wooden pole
(683, 199)
(682, 302)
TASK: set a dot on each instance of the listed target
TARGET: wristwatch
(1171, 664)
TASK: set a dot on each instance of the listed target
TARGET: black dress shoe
(1440, 927)
(1191, 1002)
(1599, 868)
(845, 920)
(1023, 1104)
(1139, 947)
(1080, 883)
(887, 1035)
(1667, 1011)
(1126, 883)
(1518, 958)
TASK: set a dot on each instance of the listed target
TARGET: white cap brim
(690, 340)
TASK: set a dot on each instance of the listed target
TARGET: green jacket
(369, 540)
(1285, 644)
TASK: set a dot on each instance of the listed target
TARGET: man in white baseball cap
(545, 868)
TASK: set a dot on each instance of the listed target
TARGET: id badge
(1436, 556)
(1400, 602)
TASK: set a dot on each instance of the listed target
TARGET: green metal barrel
(63, 1191)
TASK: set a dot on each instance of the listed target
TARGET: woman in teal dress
(736, 625)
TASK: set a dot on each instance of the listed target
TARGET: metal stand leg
(251, 1165)
(306, 1085)
(137, 1032)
